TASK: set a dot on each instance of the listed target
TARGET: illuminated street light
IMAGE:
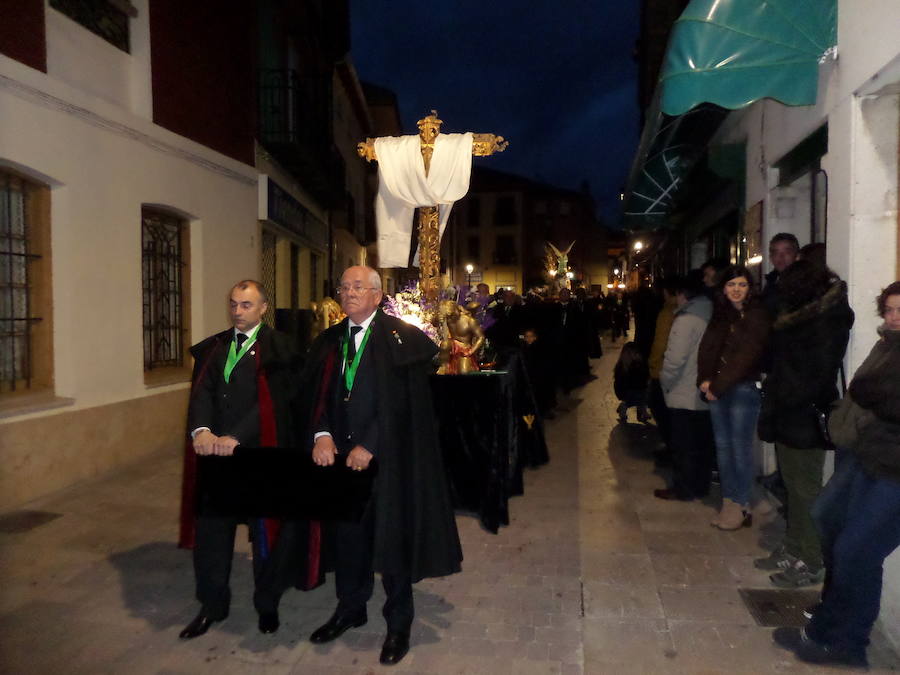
(621, 285)
(638, 245)
(570, 275)
(552, 273)
(609, 285)
(616, 271)
(469, 269)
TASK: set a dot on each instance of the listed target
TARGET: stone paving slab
(593, 575)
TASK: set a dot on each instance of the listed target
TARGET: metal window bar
(162, 268)
(102, 18)
(15, 284)
(269, 261)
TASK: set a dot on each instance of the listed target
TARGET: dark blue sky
(556, 78)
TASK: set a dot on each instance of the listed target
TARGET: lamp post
(469, 269)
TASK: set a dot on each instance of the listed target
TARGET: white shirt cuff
(198, 430)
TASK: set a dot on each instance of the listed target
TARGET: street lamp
(616, 271)
(570, 275)
(638, 245)
(469, 269)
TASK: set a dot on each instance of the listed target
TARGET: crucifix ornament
(452, 184)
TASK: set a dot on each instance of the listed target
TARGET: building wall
(859, 101)
(103, 162)
(204, 64)
(24, 39)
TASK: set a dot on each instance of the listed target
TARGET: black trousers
(273, 571)
(355, 579)
(693, 448)
(660, 410)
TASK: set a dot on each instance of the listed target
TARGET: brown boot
(734, 516)
(716, 519)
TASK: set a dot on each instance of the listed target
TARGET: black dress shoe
(670, 495)
(394, 648)
(336, 626)
(268, 622)
(199, 626)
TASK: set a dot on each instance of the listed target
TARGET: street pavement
(593, 575)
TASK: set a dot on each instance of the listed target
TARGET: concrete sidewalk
(593, 575)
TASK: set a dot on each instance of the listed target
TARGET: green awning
(722, 55)
(734, 52)
(669, 149)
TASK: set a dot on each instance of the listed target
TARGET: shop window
(26, 358)
(165, 280)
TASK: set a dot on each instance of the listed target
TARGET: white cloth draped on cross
(403, 186)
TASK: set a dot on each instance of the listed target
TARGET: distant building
(501, 228)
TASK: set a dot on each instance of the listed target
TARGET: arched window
(164, 269)
(26, 357)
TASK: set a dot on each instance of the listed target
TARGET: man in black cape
(372, 411)
(243, 394)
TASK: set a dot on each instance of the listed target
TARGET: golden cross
(429, 228)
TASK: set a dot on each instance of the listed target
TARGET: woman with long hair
(728, 373)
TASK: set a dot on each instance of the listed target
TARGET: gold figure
(328, 313)
(429, 228)
(461, 341)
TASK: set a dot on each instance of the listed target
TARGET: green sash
(234, 356)
(351, 368)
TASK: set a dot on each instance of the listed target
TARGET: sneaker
(623, 412)
(789, 637)
(798, 575)
(810, 651)
(779, 559)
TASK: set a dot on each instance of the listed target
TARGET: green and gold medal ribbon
(351, 368)
(234, 356)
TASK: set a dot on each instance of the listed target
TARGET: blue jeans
(859, 520)
(734, 417)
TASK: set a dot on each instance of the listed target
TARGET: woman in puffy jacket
(858, 511)
(728, 374)
(809, 337)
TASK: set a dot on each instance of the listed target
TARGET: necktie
(239, 339)
(351, 347)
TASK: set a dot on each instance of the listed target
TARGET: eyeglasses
(345, 289)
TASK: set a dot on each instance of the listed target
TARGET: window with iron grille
(20, 314)
(105, 18)
(163, 246)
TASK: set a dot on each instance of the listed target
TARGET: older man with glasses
(372, 411)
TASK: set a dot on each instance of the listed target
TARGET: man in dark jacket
(373, 412)
(783, 251)
(809, 337)
(245, 379)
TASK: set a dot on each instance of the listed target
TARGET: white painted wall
(858, 98)
(105, 162)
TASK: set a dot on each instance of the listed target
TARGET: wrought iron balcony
(295, 125)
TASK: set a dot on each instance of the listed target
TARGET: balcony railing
(295, 125)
